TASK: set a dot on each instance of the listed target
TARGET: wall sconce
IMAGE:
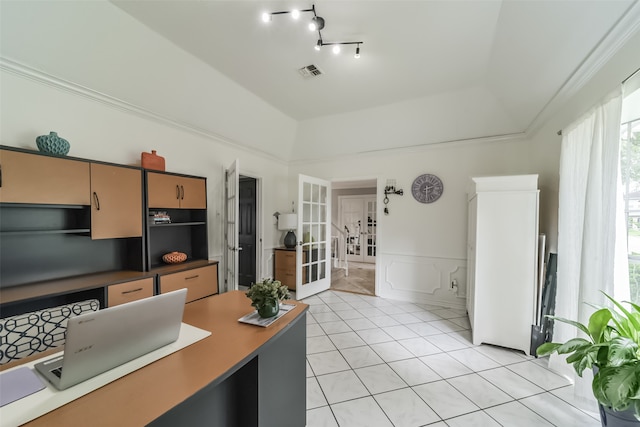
(390, 188)
(288, 222)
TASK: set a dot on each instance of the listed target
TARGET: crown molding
(415, 148)
(30, 73)
(611, 43)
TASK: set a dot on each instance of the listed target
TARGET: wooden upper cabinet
(193, 193)
(172, 191)
(33, 178)
(116, 202)
(163, 190)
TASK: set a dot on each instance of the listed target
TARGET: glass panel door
(313, 252)
(231, 233)
(370, 233)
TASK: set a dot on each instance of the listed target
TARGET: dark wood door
(247, 231)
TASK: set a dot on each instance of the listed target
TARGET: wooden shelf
(174, 268)
(77, 248)
(73, 284)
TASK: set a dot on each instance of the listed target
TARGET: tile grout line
(454, 334)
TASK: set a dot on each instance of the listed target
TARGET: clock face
(427, 188)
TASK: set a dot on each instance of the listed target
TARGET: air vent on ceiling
(310, 71)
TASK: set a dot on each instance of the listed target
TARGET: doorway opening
(247, 230)
(354, 236)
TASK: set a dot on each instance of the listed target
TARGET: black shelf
(178, 224)
(57, 240)
(28, 232)
(186, 233)
(41, 206)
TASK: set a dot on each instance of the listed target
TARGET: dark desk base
(267, 389)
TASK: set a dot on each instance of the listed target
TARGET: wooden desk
(242, 375)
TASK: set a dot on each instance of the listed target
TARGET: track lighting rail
(317, 24)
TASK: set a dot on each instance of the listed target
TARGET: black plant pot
(611, 418)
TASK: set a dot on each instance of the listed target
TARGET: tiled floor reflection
(373, 362)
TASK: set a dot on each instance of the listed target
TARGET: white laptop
(104, 339)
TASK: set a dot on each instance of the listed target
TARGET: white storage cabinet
(502, 254)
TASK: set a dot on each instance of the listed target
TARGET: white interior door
(370, 234)
(358, 218)
(352, 221)
(231, 232)
(313, 253)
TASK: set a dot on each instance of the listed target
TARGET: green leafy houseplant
(612, 350)
(264, 292)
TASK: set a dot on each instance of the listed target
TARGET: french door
(358, 218)
(231, 232)
(313, 253)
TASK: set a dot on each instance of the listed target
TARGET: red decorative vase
(152, 161)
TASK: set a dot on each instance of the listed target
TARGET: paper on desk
(48, 398)
(18, 383)
(255, 319)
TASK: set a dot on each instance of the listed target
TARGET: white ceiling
(520, 51)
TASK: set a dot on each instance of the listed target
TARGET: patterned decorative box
(31, 333)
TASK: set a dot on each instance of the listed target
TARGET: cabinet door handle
(96, 200)
(192, 277)
(131, 291)
(182, 192)
(177, 191)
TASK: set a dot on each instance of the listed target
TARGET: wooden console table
(242, 375)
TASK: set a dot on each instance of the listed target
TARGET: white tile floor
(376, 362)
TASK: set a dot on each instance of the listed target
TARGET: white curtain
(592, 254)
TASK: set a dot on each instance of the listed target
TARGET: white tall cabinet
(502, 252)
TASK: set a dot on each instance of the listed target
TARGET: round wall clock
(427, 188)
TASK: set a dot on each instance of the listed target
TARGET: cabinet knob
(181, 192)
(177, 191)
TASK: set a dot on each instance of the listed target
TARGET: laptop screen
(102, 340)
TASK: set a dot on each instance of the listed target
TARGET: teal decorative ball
(53, 144)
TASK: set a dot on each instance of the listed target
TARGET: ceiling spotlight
(266, 17)
(336, 49)
(357, 55)
(295, 14)
(318, 45)
(316, 24)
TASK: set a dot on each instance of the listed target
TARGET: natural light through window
(630, 173)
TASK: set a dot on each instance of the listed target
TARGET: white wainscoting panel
(421, 279)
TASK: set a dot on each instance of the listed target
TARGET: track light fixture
(317, 24)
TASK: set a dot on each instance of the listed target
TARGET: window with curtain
(592, 255)
(630, 174)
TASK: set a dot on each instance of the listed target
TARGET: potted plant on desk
(612, 351)
(266, 296)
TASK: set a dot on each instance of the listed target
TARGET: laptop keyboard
(57, 372)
